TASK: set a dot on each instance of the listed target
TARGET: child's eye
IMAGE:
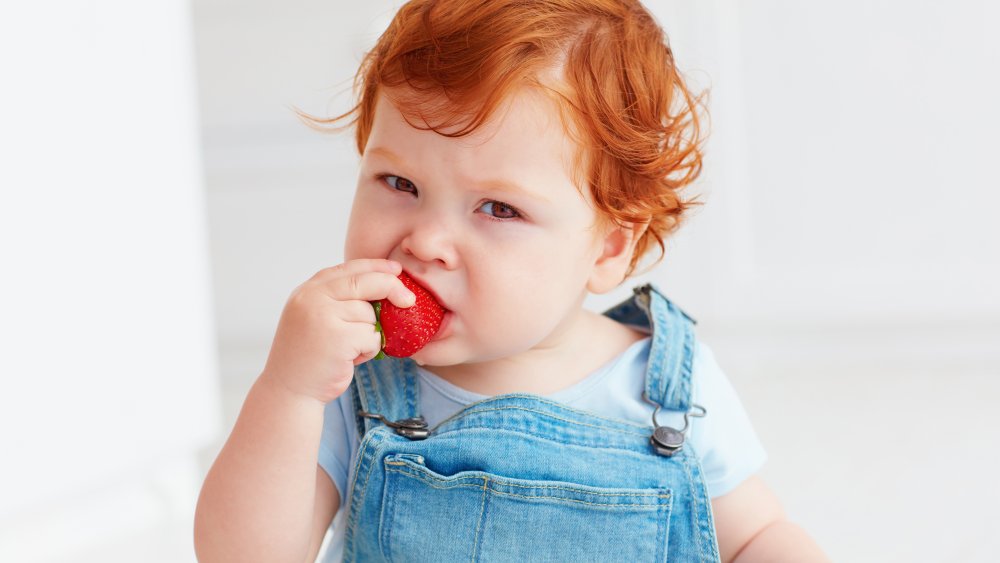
(499, 210)
(399, 183)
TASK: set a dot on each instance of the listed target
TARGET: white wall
(108, 346)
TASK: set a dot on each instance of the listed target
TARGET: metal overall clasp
(413, 428)
(666, 440)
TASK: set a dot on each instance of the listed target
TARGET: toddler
(516, 156)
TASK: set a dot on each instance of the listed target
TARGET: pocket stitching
(578, 501)
(425, 473)
(479, 524)
(438, 483)
(662, 500)
(384, 528)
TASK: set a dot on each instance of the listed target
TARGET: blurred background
(160, 201)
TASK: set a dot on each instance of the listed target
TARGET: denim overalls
(520, 478)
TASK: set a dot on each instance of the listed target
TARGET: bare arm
(327, 503)
(258, 499)
(751, 526)
(265, 498)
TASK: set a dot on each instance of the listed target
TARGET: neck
(587, 343)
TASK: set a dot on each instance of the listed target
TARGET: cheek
(517, 296)
(561, 261)
(354, 238)
(366, 236)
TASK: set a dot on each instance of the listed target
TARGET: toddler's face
(492, 224)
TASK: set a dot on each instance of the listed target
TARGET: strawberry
(404, 331)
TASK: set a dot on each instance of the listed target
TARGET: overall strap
(668, 373)
(386, 387)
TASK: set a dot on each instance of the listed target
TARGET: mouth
(430, 290)
(442, 331)
(443, 328)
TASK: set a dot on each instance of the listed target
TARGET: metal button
(666, 441)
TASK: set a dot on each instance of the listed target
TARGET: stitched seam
(706, 530)
(695, 516)
(671, 361)
(578, 501)
(384, 526)
(435, 484)
(356, 501)
(561, 419)
(371, 466)
(564, 439)
(438, 483)
(471, 409)
(411, 390)
(639, 449)
(655, 385)
(687, 362)
(374, 383)
(578, 490)
(479, 524)
(661, 532)
(371, 469)
(417, 472)
(564, 406)
(359, 421)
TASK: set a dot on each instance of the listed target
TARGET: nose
(431, 241)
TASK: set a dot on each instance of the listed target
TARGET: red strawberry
(404, 331)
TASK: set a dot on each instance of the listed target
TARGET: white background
(160, 201)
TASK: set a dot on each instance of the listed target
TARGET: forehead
(524, 142)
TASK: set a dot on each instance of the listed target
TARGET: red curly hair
(449, 64)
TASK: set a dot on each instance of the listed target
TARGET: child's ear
(613, 262)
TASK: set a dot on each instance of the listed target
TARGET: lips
(430, 290)
(442, 330)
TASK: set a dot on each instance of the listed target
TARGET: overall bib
(520, 478)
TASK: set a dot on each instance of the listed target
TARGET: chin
(435, 356)
(425, 357)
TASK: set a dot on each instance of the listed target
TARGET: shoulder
(705, 368)
(724, 440)
(712, 386)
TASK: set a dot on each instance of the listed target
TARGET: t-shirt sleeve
(724, 439)
(335, 444)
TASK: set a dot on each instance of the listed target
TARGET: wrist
(274, 384)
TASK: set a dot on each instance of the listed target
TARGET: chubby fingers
(358, 311)
(366, 280)
(359, 266)
(367, 343)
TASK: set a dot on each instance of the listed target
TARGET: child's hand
(328, 327)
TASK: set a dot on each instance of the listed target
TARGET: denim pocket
(474, 515)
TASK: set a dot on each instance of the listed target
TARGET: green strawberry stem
(378, 326)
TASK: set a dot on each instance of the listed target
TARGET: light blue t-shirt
(724, 439)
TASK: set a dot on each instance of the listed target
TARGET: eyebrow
(395, 158)
(498, 184)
